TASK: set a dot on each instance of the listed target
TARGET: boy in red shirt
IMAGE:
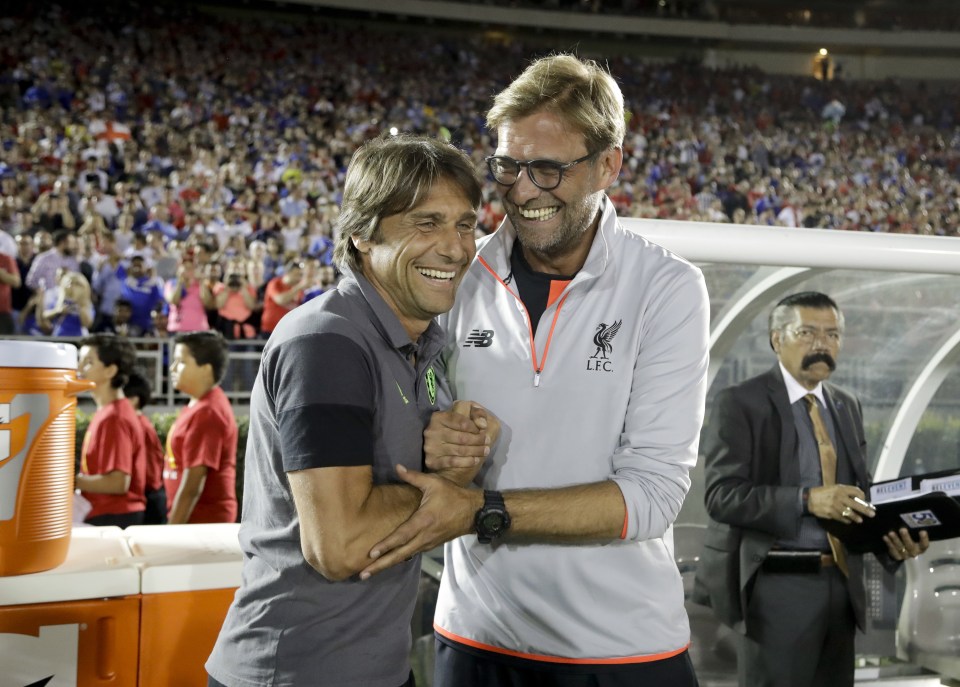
(137, 391)
(113, 460)
(201, 451)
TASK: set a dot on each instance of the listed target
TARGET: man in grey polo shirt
(347, 384)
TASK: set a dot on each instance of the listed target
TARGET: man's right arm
(343, 514)
(732, 495)
(326, 425)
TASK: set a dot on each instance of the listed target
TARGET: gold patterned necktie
(828, 466)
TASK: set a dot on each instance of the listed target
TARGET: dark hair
(784, 312)
(207, 348)
(393, 174)
(124, 302)
(114, 350)
(138, 387)
(60, 236)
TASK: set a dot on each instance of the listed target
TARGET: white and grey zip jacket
(611, 388)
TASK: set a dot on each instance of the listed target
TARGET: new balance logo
(481, 338)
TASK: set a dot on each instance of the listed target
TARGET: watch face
(491, 522)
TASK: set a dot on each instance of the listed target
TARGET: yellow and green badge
(431, 379)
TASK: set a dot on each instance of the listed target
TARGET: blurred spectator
(160, 319)
(159, 223)
(113, 459)
(273, 259)
(121, 322)
(107, 282)
(87, 256)
(200, 473)
(43, 271)
(71, 311)
(212, 278)
(236, 301)
(295, 204)
(123, 233)
(137, 390)
(319, 277)
(283, 295)
(52, 211)
(32, 322)
(144, 293)
(182, 294)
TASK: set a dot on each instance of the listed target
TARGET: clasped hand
(455, 444)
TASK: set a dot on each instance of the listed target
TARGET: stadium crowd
(883, 16)
(165, 170)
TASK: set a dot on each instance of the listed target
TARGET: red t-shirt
(114, 441)
(205, 433)
(273, 312)
(154, 454)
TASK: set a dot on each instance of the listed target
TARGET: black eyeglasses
(545, 174)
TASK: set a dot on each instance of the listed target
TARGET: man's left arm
(900, 543)
(658, 448)
(658, 444)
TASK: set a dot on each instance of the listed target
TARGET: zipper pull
(536, 378)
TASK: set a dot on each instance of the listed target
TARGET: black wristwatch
(492, 520)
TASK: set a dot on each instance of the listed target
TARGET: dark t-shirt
(537, 290)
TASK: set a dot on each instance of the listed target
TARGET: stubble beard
(577, 220)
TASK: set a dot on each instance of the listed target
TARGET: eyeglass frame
(833, 336)
(561, 168)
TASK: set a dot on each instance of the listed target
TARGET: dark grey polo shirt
(336, 388)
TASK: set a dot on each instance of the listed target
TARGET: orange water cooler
(188, 576)
(76, 625)
(38, 388)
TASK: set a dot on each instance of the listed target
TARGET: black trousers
(458, 666)
(213, 683)
(801, 632)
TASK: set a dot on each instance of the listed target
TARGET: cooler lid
(42, 354)
(98, 565)
(180, 558)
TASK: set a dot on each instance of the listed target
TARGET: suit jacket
(749, 502)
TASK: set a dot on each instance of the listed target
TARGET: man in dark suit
(783, 449)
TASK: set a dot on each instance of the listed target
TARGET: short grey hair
(393, 174)
(784, 313)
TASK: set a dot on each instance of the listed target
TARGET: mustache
(820, 357)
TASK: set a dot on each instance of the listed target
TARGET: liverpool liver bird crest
(603, 337)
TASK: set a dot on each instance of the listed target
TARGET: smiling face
(421, 256)
(555, 227)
